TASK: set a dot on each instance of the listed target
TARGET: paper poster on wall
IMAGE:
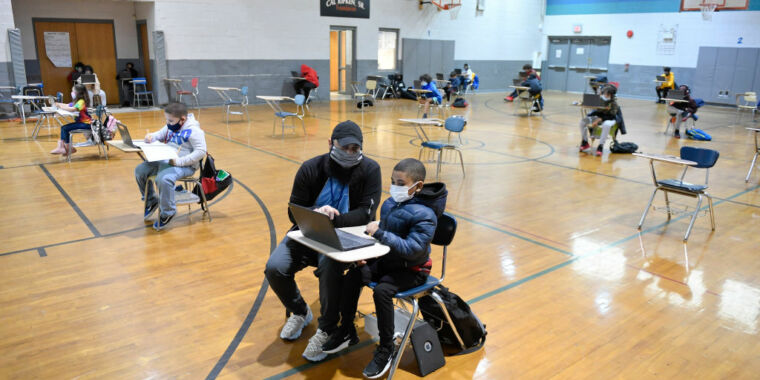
(579, 51)
(58, 48)
(558, 53)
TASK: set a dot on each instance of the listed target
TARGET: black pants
(388, 284)
(304, 87)
(662, 93)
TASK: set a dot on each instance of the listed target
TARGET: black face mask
(174, 127)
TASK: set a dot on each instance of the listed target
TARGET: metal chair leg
(461, 161)
(712, 213)
(693, 218)
(667, 203)
(405, 339)
(438, 166)
(646, 210)
(303, 126)
(751, 166)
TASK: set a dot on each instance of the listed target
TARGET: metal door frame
(347, 90)
(589, 41)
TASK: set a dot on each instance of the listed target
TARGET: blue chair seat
(430, 283)
(285, 114)
(144, 92)
(677, 184)
(436, 145)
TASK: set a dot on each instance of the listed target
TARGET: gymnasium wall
(122, 13)
(257, 43)
(646, 18)
(6, 22)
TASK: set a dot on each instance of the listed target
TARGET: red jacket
(310, 74)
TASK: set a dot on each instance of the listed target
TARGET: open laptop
(661, 78)
(592, 100)
(124, 132)
(87, 79)
(458, 71)
(417, 84)
(517, 82)
(295, 74)
(439, 76)
(317, 226)
(676, 94)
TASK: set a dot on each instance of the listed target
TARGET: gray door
(723, 79)
(599, 56)
(555, 76)
(578, 65)
(744, 71)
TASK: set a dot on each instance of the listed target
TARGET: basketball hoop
(445, 5)
(708, 7)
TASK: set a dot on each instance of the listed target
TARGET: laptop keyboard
(351, 241)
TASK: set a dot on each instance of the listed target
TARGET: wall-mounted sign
(577, 28)
(344, 8)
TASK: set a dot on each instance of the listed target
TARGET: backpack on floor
(623, 147)
(698, 134)
(406, 94)
(459, 103)
(365, 103)
(213, 181)
(470, 329)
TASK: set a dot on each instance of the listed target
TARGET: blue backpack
(698, 134)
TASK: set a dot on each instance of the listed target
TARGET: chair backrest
(371, 84)
(299, 99)
(140, 80)
(194, 83)
(59, 97)
(750, 96)
(244, 91)
(705, 158)
(444, 232)
(455, 124)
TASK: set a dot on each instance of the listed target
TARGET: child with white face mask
(606, 116)
(407, 224)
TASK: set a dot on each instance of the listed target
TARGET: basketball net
(708, 8)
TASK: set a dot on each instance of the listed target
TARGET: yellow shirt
(670, 81)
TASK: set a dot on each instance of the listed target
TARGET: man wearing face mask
(346, 186)
(182, 131)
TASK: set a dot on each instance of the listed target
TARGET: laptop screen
(417, 84)
(87, 78)
(592, 100)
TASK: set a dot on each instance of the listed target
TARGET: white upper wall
(121, 12)
(293, 29)
(144, 11)
(723, 31)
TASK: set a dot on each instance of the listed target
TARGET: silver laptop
(124, 132)
(592, 100)
(319, 227)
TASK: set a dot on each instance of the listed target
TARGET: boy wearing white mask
(407, 224)
(607, 116)
(344, 185)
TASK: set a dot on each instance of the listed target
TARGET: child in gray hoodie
(183, 131)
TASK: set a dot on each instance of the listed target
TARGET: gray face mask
(345, 159)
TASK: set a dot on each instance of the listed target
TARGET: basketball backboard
(696, 5)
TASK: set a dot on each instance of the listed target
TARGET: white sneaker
(313, 351)
(295, 324)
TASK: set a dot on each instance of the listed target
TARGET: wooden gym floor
(547, 253)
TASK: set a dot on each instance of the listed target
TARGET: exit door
(342, 59)
(573, 60)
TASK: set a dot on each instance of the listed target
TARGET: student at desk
(527, 71)
(345, 185)
(535, 89)
(74, 74)
(184, 131)
(682, 111)
(453, 87)
(310, 81)
(93, 89)
(407, 224)
(669, 84)
(428, 97)
(79, 103)
(607, 116)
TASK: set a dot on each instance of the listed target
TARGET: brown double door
(92, 43)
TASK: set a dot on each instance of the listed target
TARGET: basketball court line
(71, 202)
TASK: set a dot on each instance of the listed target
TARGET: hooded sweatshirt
(408, 227)
(190, 138)
(310, 74)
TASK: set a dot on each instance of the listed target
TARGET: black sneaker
(162, 221)
(152, 207)
(340, 339)
(380, 363)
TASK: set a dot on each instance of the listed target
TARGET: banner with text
(344, 8)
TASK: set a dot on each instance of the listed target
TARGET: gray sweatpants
(606, 126)
(289, 258)
(679, 117)
(166, 177)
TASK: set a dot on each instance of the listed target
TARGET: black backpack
(623, 147)
(459, 103)
(470, 329)
(213, 181)
(365, 103)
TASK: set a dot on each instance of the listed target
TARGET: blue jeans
(166, 176)
(70, 127)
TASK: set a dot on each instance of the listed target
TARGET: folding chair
(139, 94)
(746, 101)
(454, 124)
(369, 86)
(194, 93)
(595, 133)
(444, 234)
(185, 197)
(705, 159)
(242, 103)
(279, 113)
(89, 134)
(757, 152)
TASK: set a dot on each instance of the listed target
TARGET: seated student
(407, 224)
(528, 70)
(662, 89)
(453, 87)
(125, 85)
(311, 81)
(79, 103)
(94, 89)
(682, 110)
(467, 76)
(183, 131)
(607, 116)
(428, 97)
(74, 74)
(535, 89)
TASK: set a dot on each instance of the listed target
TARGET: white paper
(558, 53)
(579, 51)
(58, 48)
(157, 151)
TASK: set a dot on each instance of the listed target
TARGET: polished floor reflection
(547, 252)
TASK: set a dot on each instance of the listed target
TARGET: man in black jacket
(346, 186)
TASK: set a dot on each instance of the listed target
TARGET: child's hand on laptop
(372, 227)
(328, 210)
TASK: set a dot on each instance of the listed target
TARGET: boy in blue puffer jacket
(407, 224)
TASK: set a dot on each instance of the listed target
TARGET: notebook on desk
(592, 100)
(662, 78)
(318, 227)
